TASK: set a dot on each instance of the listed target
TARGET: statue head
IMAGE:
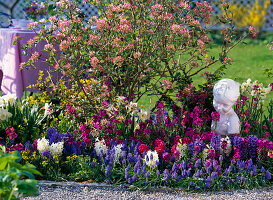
(225, 93)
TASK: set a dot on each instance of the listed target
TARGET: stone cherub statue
(226, 93)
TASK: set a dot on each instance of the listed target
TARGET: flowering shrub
(132, 51)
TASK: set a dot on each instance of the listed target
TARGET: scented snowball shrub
(131, 51)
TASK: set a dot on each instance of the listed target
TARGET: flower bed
(88, 126)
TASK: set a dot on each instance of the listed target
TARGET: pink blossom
(94, 61)
(184, 5)
(252, 31)
(53, 19)
(49, 47)
(35, 56)
(118, 60)
(166, 83)
(228, 60)
(175, 28)
(32, 25)
(102, 24)
(64, 45)
(137, 55)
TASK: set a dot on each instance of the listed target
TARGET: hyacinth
(42, 144)
(46, 154)
(216, 142)
(56, 149)
(118, 153)
(54, 136)
(151, 158)
(100, 146)
(182, 148)
(225, 147)
(252, 146)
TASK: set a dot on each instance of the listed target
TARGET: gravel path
(80, 191)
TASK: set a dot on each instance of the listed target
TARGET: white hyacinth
(56, 149)
(118, 153)
(182, 150)
(228, 149)
(100, 146)
(151, 162)
(42, 144)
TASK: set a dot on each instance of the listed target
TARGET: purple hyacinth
(214, 175)
(54, 136)
(134, 178)
(166, 175)
(46, 154)
(147, 174)
(108, 171)
(127, 172)
(157, 172)
(183, 165)
(252, 146)
(216, 142)
(197, 163)
(92, 164)
(29, 146)
(174, 167)
(138, 171)
(174, 175)
(208, 182)
(268, 175)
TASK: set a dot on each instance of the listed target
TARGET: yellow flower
(45, 163)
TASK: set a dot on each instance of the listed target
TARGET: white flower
(132, 107)
(182, 149)
(136, 126)
(8, 99)
(42, 145)
(119, 100)
(4, 114)
(56, 149)
(248, 81)
(144, 115)
(118, 153)
(100, 146)
(225, 147)
(48, 109)
(152, 158)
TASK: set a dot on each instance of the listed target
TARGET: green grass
(249, 61)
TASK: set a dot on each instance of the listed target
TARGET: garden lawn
(249, 61)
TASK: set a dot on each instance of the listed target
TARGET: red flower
(159, 146)
(142, 148)
(166, 156)
(175, 152)
(186, 140)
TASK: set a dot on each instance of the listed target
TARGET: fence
(15, 8)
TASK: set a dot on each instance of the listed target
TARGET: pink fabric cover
(15, 80)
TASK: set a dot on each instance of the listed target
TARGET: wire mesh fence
(15, 8)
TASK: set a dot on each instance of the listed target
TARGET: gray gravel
(79, 191)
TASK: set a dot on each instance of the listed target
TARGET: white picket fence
(17, 11)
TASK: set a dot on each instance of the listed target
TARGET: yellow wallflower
(45, 163)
